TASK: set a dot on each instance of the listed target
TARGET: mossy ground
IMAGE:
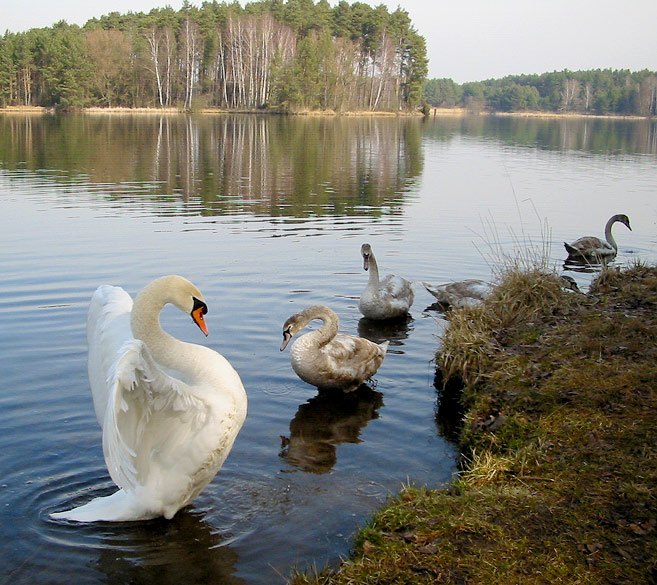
(559, 483)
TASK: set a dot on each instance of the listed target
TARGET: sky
(469, 40)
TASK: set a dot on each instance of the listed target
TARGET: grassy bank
(559, 438)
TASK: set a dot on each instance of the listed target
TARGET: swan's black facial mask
(287, 335)
(200, 309)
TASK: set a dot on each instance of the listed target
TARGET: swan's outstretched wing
(108, 328)
(150, 421)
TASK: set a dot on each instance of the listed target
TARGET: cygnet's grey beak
(286, 339)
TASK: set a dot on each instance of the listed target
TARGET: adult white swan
(593, 249)
(169, 410)
(326, 358)
(383, 299)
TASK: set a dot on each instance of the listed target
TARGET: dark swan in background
(590, 249)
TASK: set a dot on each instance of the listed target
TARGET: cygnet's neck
(608, 236)
(373, 269)
(328, 330)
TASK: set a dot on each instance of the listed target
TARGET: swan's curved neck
(328, 330)
(145, 324)
(608, 235)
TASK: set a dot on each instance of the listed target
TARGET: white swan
(592, 249)
(386, 299)
(326, 358)
(463, 293)
(169, 410)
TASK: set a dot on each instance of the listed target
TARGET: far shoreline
(434, 113)
(204, 111)
(462, 112)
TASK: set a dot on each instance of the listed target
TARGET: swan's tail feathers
(572, 251)
(118, 507)
(384, 346)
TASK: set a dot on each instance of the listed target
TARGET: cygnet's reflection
(393, 330)
(328, 419)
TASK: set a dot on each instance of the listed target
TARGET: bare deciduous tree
(111, 53)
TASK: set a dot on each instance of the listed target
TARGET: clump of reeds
(476, 334)
(525, 287)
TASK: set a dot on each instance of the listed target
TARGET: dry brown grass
(476, 334)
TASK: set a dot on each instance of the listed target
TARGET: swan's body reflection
(393, 330)
(328, 419)
(586, 266)
(185, 549)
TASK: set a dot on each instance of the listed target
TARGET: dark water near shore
(266, 215)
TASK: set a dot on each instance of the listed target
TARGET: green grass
(564, 489)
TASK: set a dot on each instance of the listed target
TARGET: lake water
(267, 215)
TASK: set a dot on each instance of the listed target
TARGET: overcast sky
(470, 40)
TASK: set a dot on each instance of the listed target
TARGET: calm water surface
(266, 215)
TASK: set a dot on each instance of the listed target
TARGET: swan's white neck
(145, 324)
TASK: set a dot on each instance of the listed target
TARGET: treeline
(292, 54)
(595, 92)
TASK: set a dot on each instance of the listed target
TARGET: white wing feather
(150, 418)
(108, 328)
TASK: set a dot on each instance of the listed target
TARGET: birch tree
(569, 93)
(191, 51)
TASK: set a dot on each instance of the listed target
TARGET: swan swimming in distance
(328, 359)
(169, 410)
(388, 298)
(591, 249)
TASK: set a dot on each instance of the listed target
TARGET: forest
(279, 55)
(270, 54)
(600, 91)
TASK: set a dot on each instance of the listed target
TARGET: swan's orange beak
(200, 321)
(200, 309)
